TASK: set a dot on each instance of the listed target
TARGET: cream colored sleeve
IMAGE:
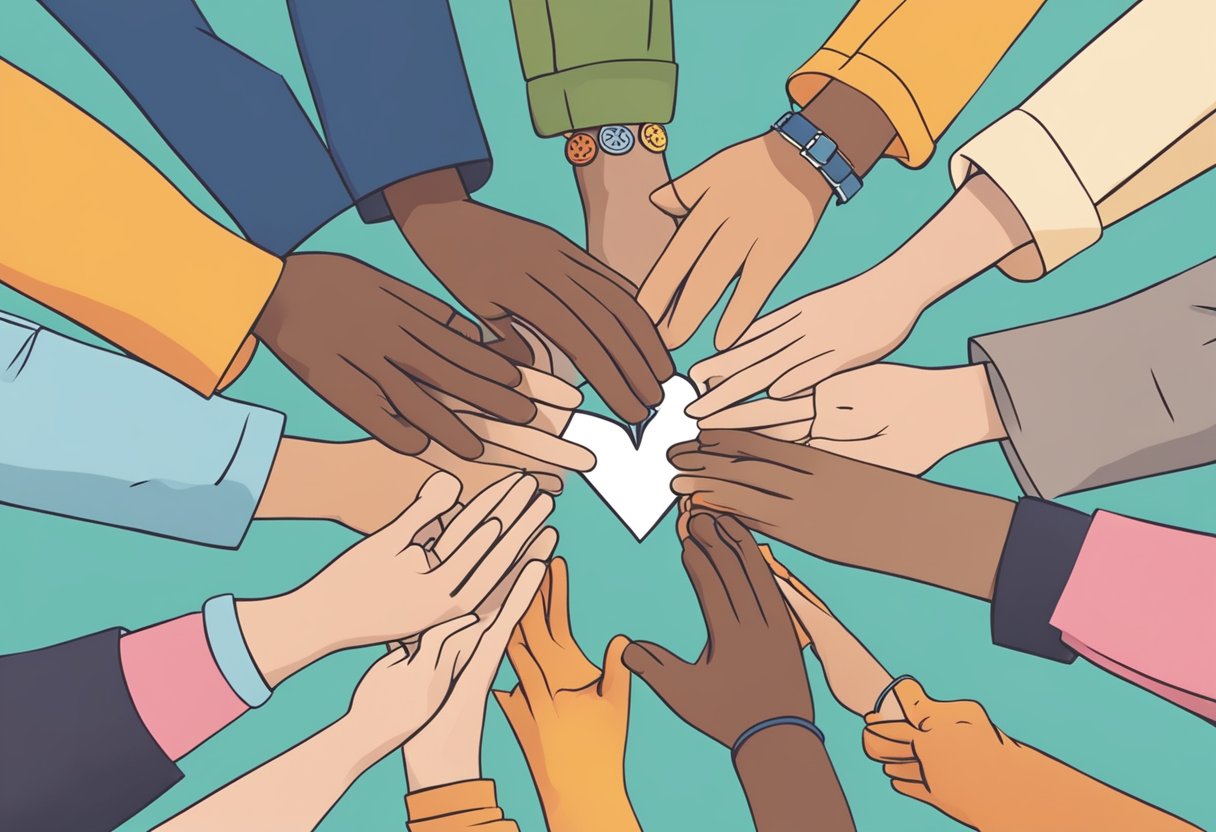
(1126, 121)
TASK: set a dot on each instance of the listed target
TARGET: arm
(789, 779)
(236, 123)
(99, 436)
(1136, 360)
(1053, 156)
(151, 274)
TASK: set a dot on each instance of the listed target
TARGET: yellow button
(581, 149)
(654, 137)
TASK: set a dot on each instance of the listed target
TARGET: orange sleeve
(90, 229)
(457, 807)
(919, 60)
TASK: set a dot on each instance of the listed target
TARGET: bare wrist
(436, 186)
(281, 635)
(298, 486)
(986, 424)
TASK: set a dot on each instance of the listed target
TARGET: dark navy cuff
(1040, 551)
(75, 753)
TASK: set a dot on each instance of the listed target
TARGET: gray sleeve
(1117, 393)
(98, 436)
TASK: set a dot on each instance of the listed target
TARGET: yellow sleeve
(90, 229)
(919, 60)
(457, 807)
(1126, 121)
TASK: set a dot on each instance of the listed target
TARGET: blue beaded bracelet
(770, 723)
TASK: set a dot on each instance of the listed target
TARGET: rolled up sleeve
(98, 436)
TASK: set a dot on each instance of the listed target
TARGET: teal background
(63, 578)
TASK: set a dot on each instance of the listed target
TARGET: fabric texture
(137, 264)
(589, 63)
(1042, 545)
(456, 807)
(1139, 603)
(76, 754)
(178, 690)
(1117, 393)
(1125, 122)
(919, 60)
(98, 436)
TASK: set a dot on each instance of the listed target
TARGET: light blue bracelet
(770, 723)
(878, 702)
(230, 651)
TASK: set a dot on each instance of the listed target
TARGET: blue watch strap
(824, 155)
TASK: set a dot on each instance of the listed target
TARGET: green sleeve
(594, 62)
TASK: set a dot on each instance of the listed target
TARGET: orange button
(581, 149)
(654, 137)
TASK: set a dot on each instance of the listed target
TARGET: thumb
(668, 201)
(651, 663)
(614, 684)
(915, 703)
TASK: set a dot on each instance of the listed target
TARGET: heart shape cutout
(631, 474)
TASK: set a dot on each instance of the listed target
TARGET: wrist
(859, 127)
(431, 188)
(458, 760)
(606, 809)
(299, 485)
(787, 777)
(358, 743)
(281, 634)
(983, 423)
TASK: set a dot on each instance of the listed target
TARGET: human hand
(569, 716)
(379, 350)
(625, 229)
(751, 668)
(386, 588)
(749, 210)
(903, 418)
(502, 268)
(448, 748)
(847, 511)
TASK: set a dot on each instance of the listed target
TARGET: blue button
(616, 139)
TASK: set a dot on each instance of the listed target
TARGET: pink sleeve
(178, 690)
(1141, 603)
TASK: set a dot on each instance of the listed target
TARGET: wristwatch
(819, 149)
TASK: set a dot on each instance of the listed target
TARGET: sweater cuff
(1022, 158)
(231, 653)
(614, 92)
(467, 804)
(1040, 551)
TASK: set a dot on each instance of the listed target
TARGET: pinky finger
(917, 791)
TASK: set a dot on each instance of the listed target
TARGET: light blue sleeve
(94, 435)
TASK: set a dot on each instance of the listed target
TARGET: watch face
(654, 137)
(616, 139)
(580, 149)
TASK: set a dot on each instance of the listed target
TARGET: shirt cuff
(1003, 399)
(1041, 548)
(231, 653)
(1022, 158)
(467, 804)
(614, 92)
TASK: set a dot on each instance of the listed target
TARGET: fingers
(759, 576)
(614, 685)
(915, 703)
(532, 443)
(741, 443)
(802, 377)
(367, 405)
(476, 512)
(762, 271)
(668, 201)
(662, 286)
(558, 605)
(908, 772)
(438, 494)
(773, 355)
(431, 652)
(429, 416)
(439, 373)
(656, 666)
(712, 272)
(548, 389)
(918, 791)
(716, 606)
(481, 578)
(488, 653)
(595, 312)
(765, 414)
(888, 742)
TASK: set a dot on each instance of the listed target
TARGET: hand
(502, 267)
(569, 716)
(749, 211)
(379, 350)
(847, 511)
(448, 748)
(751, 669)
(625, 229)
(386, 588)
(903, 418)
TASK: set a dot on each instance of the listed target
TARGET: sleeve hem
(1040, 551)
(231, 653)
(248, 471)
(1019, 154)
(613, 92)
(1009, 419)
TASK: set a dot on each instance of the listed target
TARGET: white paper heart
(634, 480)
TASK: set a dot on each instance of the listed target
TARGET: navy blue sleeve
(1040, 552)
(74, 753)
(235, 123)
(389, 83)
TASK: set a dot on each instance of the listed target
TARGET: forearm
(859, 127)
(293, 791)
(789, 781)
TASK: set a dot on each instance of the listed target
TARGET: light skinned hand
(448, 748)
(899, 417)
(569, 716)
(749, 210)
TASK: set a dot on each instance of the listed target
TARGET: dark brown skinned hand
(751, 668)
(504, 267)
(847, 511)
(379, 351)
